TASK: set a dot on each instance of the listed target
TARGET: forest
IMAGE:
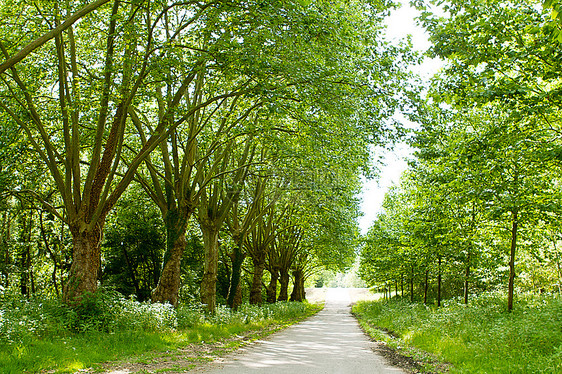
(207, 156)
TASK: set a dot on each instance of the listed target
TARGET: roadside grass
(42, 335)
(479, 338)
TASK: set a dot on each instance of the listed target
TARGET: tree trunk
(86, 262)
(255, 290)
(26, 272)
(466, 278)
(168, 287)
(272, 287)
(510, 288)
(439, 284)
(234, 288)
(284, 282)
(426, 286)
(298, 293)
(209, 282)
(412, 286)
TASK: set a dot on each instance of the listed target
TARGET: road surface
(329, 342)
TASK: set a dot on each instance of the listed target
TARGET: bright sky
(400, 24)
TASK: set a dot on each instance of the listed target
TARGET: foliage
(44, 334)
(479, 338)
(133, 247)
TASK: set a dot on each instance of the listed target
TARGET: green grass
(479, 338)
(43, 335)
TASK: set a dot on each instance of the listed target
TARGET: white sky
(400, 24)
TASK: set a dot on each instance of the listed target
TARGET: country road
(330, 342)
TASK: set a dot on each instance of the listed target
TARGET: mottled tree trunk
(439, 277)
(298, 293)
(234, 289)
(86, 262)
(272, 287)
(256, 289)
(466, 277)
(284, 283)
(426, 286)
(168, 287)
(513, 248)
(209, 281)
(412, 285)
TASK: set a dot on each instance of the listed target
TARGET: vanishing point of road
(330, 342)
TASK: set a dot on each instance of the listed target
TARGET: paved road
(330, 342)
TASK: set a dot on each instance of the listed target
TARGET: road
(329, 342)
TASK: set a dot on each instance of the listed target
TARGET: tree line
(162, 147)
(479, 207)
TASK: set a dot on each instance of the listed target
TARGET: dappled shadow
(330, 342)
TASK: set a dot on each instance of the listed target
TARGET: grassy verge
(479, 338)
(44, 336)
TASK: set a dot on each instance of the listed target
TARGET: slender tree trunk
(426, 286)
(4, 242)
(402, 284)
(272, 287)
(466, 277)
(256, 288)
(559, 268)
(209, 282)
(237, 257)
(284, 283)
(510, 288)
(86, 261)
(439, 276)
(412, 286)
(26, 274)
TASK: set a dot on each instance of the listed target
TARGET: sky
(400, 24)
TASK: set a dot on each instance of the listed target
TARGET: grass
(479, 338)
(45, 336)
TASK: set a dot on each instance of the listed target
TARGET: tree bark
(167, 290)
(168, 287)
(209, 282)
(272, 287)
(510, 288)
(466, 277)
(439, 276)
(298, 293)
(426, 286)
(234, 288)
(412, 286)
(86, 262)
(256, 289)
(284, 282)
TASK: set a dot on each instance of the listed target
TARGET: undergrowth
(481, 337)
(45, 335)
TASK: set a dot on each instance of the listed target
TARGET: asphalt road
(330, 342)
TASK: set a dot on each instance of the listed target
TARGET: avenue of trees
(189, 150)
(479, 207)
